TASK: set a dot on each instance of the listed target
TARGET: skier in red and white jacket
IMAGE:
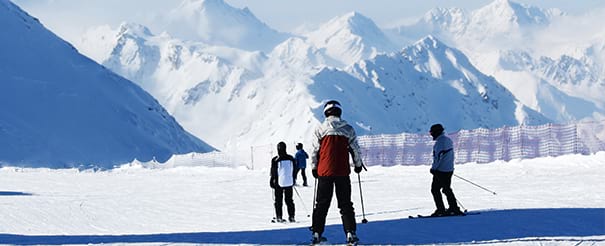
(334, 139)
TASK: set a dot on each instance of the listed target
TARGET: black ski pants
(442, 181)
(281, 194)
(302, 173)
(325, 187)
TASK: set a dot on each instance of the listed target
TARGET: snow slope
(546, 201)
(61, 109)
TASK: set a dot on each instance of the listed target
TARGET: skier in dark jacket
(442, 170)
(282, 180)
(301, 163)
(334, 140)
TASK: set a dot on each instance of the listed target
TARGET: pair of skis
(324, 241)
(420, 216)
(276, 220)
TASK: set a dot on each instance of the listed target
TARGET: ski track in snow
(545, 201)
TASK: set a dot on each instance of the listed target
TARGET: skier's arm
(316, 146)
(441, 148)
(273, 173)
(354, 149)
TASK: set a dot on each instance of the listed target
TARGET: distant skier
(282, 180)
(301, 163)
(334, 140)
(442, 170)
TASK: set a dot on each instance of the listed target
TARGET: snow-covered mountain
(502, 23)
(427, 82)
(495, 86)
(350, 38)
(216, 22)
(444, 23)
(503, 18)
(499, 39)
(61, 109)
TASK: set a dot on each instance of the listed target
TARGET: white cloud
(570, 33)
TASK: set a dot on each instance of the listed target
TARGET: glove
(358, 169)
(314, 172)
(272, 183)
(432, 171)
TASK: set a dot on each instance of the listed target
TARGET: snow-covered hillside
(61, 109)
(546, 201)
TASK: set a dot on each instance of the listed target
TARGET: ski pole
(314, 195)
(475, 184)
(459, 203)
(301, 201)
(363, 212)
(274, 209)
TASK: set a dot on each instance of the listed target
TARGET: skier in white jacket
(282, 180)
(442, 170)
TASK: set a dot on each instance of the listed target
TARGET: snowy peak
(430, 82)
(216, 22)
(355, 22)
(350, 38)
(433, 56)
(192, 7)
(504, 15)
(442, 20)
(497, 21)
(134, 29)
(429, 42)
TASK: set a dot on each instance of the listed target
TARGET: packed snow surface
(540, 201)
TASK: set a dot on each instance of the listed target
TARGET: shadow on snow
(15, 193)
(489, 225)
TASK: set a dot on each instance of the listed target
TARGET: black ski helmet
(281, 148)
(436, 130)
(332, 108)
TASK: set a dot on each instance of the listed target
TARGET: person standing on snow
(442, 170)
(301, 163)
(282, 180)
(334, 139)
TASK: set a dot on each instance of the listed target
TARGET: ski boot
(454, 212)
(278, 220)
(352, 238)
(439, 213)
(317, 239)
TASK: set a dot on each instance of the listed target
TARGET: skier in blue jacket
(442, 170)
(301, 163)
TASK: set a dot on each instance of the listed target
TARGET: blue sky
(69, 18)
